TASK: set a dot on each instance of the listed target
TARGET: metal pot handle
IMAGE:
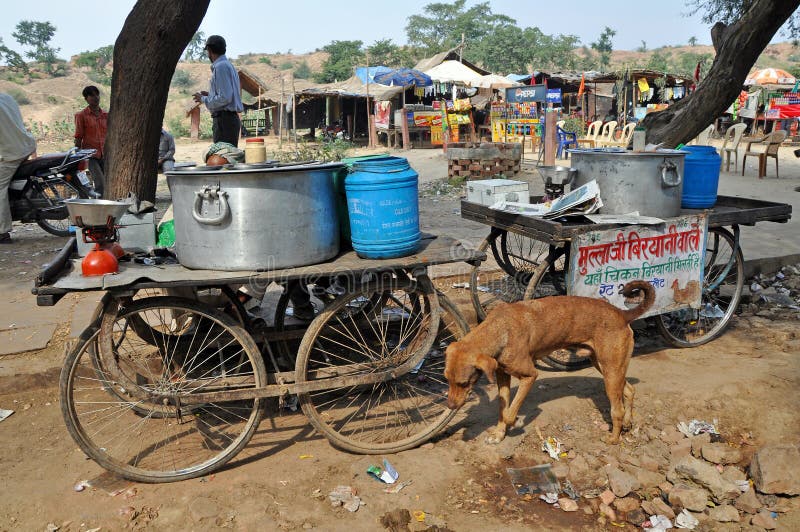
(213, 194)
(669, 166)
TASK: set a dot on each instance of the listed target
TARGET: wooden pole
(549, 137)
(294, 113)
(280, 118)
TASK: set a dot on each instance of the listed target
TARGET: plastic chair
(772, 142)
(591, 134)
(566, 139)
(733, 136)
(625, 137)
(606, 137)
(704, 136)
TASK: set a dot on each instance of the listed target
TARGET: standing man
(91, 125)
(166, 152)
(16, 145)
(223, 98)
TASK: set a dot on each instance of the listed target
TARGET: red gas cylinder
(99, 262)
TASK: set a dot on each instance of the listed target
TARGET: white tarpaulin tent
(494, 81)
(453, 72)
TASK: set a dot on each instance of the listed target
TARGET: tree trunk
(737, 46)
(149, 46)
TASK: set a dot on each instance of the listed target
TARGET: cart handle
(213, 194)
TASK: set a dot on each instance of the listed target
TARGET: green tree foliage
(686, 63)
(196, 49)
(692, 41)
(12, 59)
(729, 11)
(442, 25)
(98, 59)
(182, 79)
(643, 47)
(303, 71)
(658, 61)
(604, 47)
(37, 35)
(343, 57)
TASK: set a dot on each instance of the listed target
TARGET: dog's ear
(487, 365)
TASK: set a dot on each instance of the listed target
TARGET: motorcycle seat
(45, 162)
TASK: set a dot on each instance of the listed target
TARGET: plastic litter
(552, 447)
(535, 479)
(395, 488)
(712, 311)
(484, 289)
(657, 523)
(82, 485)
(5, 413)
(569, 490)
(460, 285)
(686, 520)
(695, 427)
(549, 498)
(345, 496)
(388, 474)
(755, 287)
(743, 485)
(419, 515)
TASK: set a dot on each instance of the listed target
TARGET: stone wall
(473, 160)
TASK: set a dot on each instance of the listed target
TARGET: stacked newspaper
(583, 200)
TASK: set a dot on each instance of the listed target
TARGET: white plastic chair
(704, 136)
(733, 136)
(591, 134)
(606, 137)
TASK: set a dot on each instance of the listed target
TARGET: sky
(251, 26)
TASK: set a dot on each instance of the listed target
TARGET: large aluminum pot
(249, 217)
(648, 182)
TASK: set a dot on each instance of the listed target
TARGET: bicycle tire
(690, 327)
(376, 418)
(131, 446)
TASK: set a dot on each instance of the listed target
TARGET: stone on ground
(776, 469)
(724, 514)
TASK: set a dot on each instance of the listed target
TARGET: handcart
(533, 260)
(172, 377)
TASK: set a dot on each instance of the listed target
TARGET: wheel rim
(521, 255)
(691, 327)
(491, 285)
(56, 191)
(109, 406)
(348, 337)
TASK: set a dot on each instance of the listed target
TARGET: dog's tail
(631, 289)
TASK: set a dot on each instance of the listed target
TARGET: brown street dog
(514, 335)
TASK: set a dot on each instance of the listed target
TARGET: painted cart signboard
(670, 256)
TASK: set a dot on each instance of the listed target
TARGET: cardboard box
(137, 233)
(490, 191)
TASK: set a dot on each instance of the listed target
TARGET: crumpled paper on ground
(345, 496)
(658, 523)
(695, 427)
(686, 520)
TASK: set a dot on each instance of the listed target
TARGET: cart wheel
(222, 298)
(102, 403)
(521, 255)
(490, 285)
(549, 280)
(348, 339)
(722, 290)
(321, 297)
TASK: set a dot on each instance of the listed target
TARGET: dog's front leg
(525, 385)
(497, 434)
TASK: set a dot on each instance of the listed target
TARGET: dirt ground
(746, 381)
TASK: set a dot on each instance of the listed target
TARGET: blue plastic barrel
(700, 177)
(383, 206)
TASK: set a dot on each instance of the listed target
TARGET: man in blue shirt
(223, 99)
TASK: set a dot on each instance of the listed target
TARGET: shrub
(575, 125)
(178, 127)
(286, 65)
(182, 79)
(52, 100)
(206, 126)
(19, 96)
(265, 60)
(303, 71)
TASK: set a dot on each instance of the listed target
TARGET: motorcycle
(333, 132)
(39, 187)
